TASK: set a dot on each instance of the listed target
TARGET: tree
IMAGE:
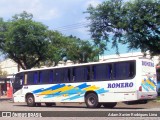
(135, 23)
(70, 47)
(31, 44)
(23, 40)
(81, 51)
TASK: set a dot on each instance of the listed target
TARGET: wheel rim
(30, 100)
(91, 100)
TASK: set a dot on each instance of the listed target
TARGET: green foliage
(31, 44)
(81, 51)
(72, 48)
(135, 23)
(24, 40)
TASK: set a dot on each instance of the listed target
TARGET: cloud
(38, 8)
(52, 13)
(94, 3)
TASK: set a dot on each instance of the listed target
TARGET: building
(128, 55)
(11, 68)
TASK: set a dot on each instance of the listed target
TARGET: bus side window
(44, 77)
(30, 78)
(59, 75)
(36, 78)
(66, 75)
(80, 74)
(73, 74)
(121, 70)
(25, 79)
(51, 76)
(101, 72)
(109, 71)
(88, 73)
(132, 69)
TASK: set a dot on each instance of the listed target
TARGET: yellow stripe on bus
(65, 88)
(149, 82)
(91, 88)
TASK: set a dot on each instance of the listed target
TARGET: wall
(9, 66)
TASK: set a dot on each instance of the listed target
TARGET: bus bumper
(147, 95)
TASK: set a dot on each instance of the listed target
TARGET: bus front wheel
(30, 100)
(91, 100)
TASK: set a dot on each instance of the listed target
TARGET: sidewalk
(5, 98)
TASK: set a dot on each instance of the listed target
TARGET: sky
(66, 16)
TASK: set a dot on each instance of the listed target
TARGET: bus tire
(50, 104)
(110, 105)
(91, 101)
(30, 100)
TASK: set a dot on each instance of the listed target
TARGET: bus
(95, 84)
(158, 80)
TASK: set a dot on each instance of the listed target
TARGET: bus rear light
(140, 88)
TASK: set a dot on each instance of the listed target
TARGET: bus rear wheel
(91, 100)
(50, 104)
(30, 100)
(110, 105)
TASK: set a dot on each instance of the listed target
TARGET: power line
(72, 26)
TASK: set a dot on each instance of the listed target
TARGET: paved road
(72, 107)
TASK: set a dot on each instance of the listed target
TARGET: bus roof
(84, 64)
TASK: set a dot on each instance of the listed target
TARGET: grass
(158, 98)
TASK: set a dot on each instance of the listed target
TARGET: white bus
(98, 83)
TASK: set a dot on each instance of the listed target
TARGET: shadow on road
(43, 106)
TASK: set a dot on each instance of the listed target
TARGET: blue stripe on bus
(50, 88)
(102, 90)
(73, 97)
(68, 92)
(84, 85)
(53, 95)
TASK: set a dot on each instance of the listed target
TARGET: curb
(6, 99)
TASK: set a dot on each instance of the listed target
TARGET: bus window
(19, 79)
(30, 78)
(101, 72)
(58, 75)
(44, 77)
(132, 70)
(36, 78)
(124, 70)
(51, 76)
(81, 74)
(87, 73)
(67, 75)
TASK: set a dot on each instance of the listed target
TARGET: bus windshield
(18, 82)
